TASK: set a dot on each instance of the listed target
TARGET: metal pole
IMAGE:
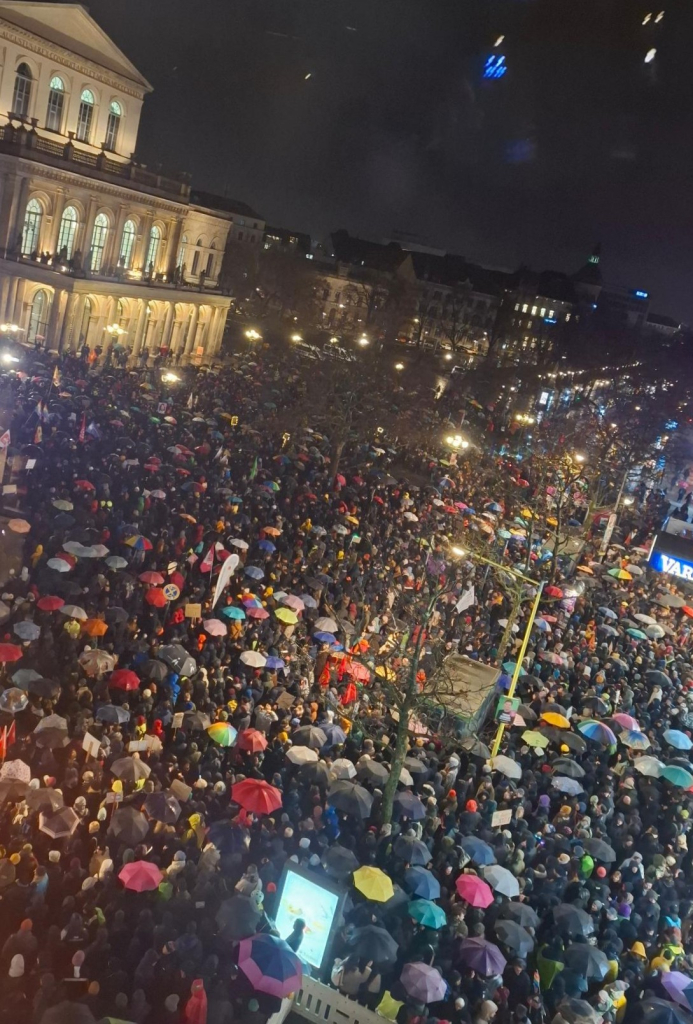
(518, 665)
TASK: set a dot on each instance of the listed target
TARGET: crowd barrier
(322, 1004)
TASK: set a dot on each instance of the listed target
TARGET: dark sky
(580, 142)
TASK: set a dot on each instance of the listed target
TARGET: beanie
(26, 925)
(471, 805)
(54, 856)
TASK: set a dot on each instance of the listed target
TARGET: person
(295, 939)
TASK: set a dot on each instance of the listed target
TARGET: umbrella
(559, 721)
(423, 983)
(15, 771)
(475, 747)
(254, 572)
(140, 876)
(521, 913)
(129, 826)
(566, 766)
(59, 825)
(9, 652)
(409, 805)
(343, 768)
(427, 913)
(316, 773)
(116, 562)
(514, 936)
(678, 739)
(679, 986)
(325, 625)
(422, 883)
(677, 776)
(309, 736)
(649, 766)
(412, 850)
(339, 861)
(96, 663)
(652, 1010)
(507, 766)
(27, 630)
(477, 850)
(257, 796)
(566, 785)
(577, 1011)
(302, 755)
(587, 961)
(255, 660)
(73, 611)
(51, 732)
(376, 944)
(286, 615)
(571, 920)
(59, 564)
(535, 739)
(252, 739)
(350, 798)
(13, 700)
(50, 603)
(112, 714)
(162, 806)
(626, 721)
(130, 769)
(178, 659)
(373, 771)
(124, 679)
(635, 740)
(474, 890)
(270, 965)
(232, 612)
(222, 733)
(502, 880)
(19, 526)
(600, 850)
(238, 918)
(374, 884)
(598, 732)
(483, 956)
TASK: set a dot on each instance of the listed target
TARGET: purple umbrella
(270, 965)
(680, 987)
(483, 956)
(423, 983)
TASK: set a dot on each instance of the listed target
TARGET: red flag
(208, 561)
(11, 734)
(83, 428)
(3, 744)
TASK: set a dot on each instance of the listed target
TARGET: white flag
(227, 570)
(466, 600)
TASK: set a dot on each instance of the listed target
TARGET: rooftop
(224, 204)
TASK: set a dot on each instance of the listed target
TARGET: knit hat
(17, 966)
(171, 1003)
(54, 856)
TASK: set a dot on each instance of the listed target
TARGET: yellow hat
(15, 859)
(564, 749)
(639, 950)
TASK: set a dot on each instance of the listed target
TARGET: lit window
(85, 115)
(115, 112)
(567, 317)
(68, 230)
(98, 241)
(525, 308)
(56, 100)
(32, 227)
(22, 91)
(543, 310)
(127, 244)
(534, 310)
(153, 249)
(517, 306)
(551, 314)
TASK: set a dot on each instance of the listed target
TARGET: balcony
(24, 141)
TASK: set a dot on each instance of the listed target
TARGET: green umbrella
(427, 913)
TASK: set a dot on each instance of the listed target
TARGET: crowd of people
(172, 744)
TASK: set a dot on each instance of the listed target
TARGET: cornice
(22, 37)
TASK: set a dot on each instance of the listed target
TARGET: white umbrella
(648, 765)
(405, 777)
(325, 625)
(501, 880)
(341, 530)
(73, 611)
(116, 562)
(411, 517)
(655, 631)
(16, 770)
(254, 659)
(341, 768)
(504, 623)
(59, 564)
(641, 617)
(301, 755)
(507, 766)
(238, 543)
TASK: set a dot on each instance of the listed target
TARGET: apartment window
(517, 306)
(85, 115)
(32, 227)
(68, 230)
(240, 236)
(210, 265)
(153, 248)
(37, 315)
(21, 95)
(525, 308)
(115, 112)
(98, 241)
(543, 310)
(551, 314)
(127, 244)
(241, 221)
(56, 101)
(534, 310)
(567, 317)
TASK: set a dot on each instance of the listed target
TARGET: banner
(225, 573)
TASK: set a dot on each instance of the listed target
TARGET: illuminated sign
(639, 294)
(672, 566)
(495, 66)
(317, 901)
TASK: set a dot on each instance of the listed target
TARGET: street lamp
(10, 328)
(363, 341)
(524, 418)
(399, 366)
(456, 441)
(296, 337)
(253, 335)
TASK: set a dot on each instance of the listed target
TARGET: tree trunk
(337, 453)
(401, 744)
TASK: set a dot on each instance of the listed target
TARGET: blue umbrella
(493, 506)
(231, 612)
(254, 572)
(608, 612)
(24, 676)
(677, 776)
(335, 734)
(566, 785)
(274, 663)
(598, 732)
(113, 714)
(325, 638)
(678, 739)
(308, 601)
(422, 883)
(266, 545)
(409, 805)
(427, 913)
(27, 630)
(477, 850)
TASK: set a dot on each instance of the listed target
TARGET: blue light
(550, 320)
(640, 294)
(495, 66)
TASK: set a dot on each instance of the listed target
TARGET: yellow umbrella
(552, 718)
(374, 884)
(585, 568)
(551, 521)
(287, 616)
(535, 739)
(352, 519)
(385, 673)
(527, 513)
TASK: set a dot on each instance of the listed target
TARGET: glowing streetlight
(399, 366)
(10, 328)
(525, 418)
(363, 341)
(577, 457)
(253, 335)
(296, 337)
(448, 355)
(334, 341)
(456, 441)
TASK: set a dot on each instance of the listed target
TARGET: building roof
(72, 28)
(451, 270)
(303, 240)
(363, 253)
(223, 204)
(660, 320)
(590, 273)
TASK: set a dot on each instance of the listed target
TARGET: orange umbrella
(271, 531)
(95, 627)
(687, 611)
(19, 526)
(560, 721)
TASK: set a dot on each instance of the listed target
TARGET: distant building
(288, 241)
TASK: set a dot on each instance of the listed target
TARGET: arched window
(56, 100)
(22, 91)
(196, 258)
(115, 112)
(209, 270)
(98, 241)
(181, 252)
(127, 244)
(37, 316)
(153, 249)
(85, 116)
(32, 227)
(68, 230)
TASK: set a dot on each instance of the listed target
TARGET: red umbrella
(85, 485)
(251, 739)
(257, 796)
(177, 580)
(154, 578)
(64, 556)
(10, 652)
(49, 603)
(124, 679)
(474, 890)
(140, 876)
(155, 597)
(553, 592)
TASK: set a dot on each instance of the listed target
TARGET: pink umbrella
(423, 983)
(258, 613)
(474, 890)
(140, 876)
(215, 627)
(294, 602)
(626, 721)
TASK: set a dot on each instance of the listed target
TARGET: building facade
(93, 245)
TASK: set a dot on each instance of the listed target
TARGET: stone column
(51, 243)
(72, 314)
(140, 254)
(8, 311)
(87, 232)
(175, 233)
(18, 312)
(192, 332)
(168, 325)
(52, 332)
(139, 330)
(112, 254)
(13, 207)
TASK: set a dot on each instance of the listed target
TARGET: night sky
(396, 129)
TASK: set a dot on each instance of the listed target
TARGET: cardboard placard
(91, 745)
(180, 790)
(501, 818)
(193, 611)
(178, 719)
(114, 798)
(285, 701)
(134, 745)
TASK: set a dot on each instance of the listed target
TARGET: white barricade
(322, 1004)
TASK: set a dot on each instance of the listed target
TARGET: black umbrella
(412, 850)
(514, 936)
(652, 1010)
(373, 771)
(526, 713)
(350, 798)
(151, 669)
(587, 961)
(178, 658)
(45, 800)
(196, 721)
(566, 766)
(116, 615)
(475, 747)
(562, 736)
(374, 944)
(47, 688)
(410, 805)
(309, 736)
(238, 918)
(316, 773)
(521, 913)
(129, 826)
(162, 807)
(600, 850)
(415, 767)
(339, 861)
(12, 789)
(572, 920)
(658, 678)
